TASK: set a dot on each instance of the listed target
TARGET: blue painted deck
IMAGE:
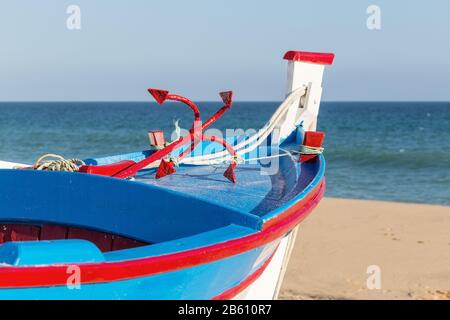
(254, 193)
(193, 208)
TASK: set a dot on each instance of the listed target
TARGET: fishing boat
(200, 217)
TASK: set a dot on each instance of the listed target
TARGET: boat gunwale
(245, 283)
(54, 275)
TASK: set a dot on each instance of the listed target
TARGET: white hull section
(266, 286)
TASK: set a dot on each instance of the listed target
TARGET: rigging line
(240, 148)
(224, 161)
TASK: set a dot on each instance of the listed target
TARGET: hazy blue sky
(199, 48)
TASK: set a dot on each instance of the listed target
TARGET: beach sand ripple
(408, 243)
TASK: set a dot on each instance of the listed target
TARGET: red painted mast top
(312, 57)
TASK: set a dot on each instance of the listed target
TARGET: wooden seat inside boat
(41, 232)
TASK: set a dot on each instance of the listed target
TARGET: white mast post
(305, 69)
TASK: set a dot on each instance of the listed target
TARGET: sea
(395, 151)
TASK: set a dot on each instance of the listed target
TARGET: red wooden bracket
(311, 57)
(156, 138)
(311, 139)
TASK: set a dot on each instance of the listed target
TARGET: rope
(311, 150)
(175, 161)
(240, 160)
(255, 140)
(60, 164)
(291, 153)
(269, 157)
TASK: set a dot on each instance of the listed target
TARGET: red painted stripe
(232, 292)
(38, 276)
(312, 57)
(312, 139)
(290, 212)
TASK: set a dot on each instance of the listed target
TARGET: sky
(198, 48)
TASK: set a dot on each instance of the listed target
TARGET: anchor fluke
(227, 97)
(229, 173)
(159, 95)
(165, 168)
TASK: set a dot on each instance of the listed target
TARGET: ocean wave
(401, 158)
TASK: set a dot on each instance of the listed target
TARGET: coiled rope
(311, 150)
(60, 164)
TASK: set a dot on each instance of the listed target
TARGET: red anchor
(194, 137)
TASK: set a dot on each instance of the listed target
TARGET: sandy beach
(409, 244)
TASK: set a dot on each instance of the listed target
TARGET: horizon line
(203, 101)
